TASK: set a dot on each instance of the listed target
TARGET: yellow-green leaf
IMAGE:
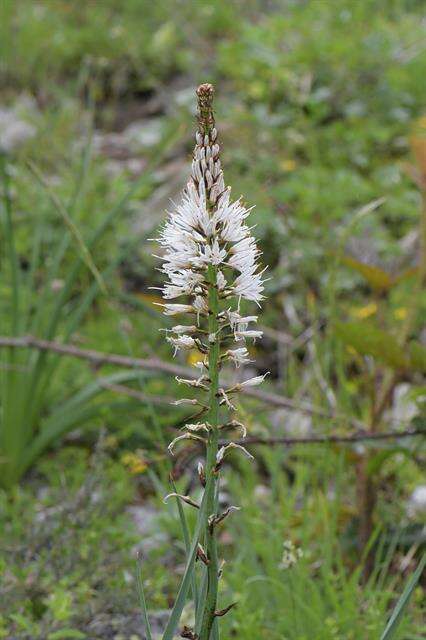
(417, 354)
(377, 278)
(367, 339)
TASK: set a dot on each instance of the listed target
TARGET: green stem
(210, 537)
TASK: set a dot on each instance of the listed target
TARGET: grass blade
(10, 244)
(57, 203)
(142, 600)
(402, 603)
(202, 598)
(186, 580)
(73, 411)
(187, 540)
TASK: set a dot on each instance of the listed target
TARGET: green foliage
(49, 299)
(25, 430)
(137, 43)
(75, 540)
(318, 103)
(368, 339)
(402, 603)
(323, 595)
(377, 278)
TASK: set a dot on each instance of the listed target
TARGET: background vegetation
(321, 113)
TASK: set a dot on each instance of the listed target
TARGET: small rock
(146, 519)
(416, 505)
(14, 131)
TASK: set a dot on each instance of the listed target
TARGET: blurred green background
(320, 107)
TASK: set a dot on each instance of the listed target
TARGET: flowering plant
(211, 259)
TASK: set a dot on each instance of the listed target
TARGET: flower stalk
(211, 261)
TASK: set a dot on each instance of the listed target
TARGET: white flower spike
(211, 263)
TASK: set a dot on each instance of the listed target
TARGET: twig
(155, 364)
(359, 436)
(325, 439)
(95, 357)
(189, 453)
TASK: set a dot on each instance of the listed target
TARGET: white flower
(182, 282)
(244, 254)
(182, 342)
(249, 285)
(181, 328)
(214, 254)
(185, 436)
(190, 382)
(185, 401)
(174, 309)
(240, 335)
(238, 356)
(212, 260)
(220, 281)
(253, 382)
(200, 365)
(198, 426)
(238, 321)
(232, 445)
(200, 305)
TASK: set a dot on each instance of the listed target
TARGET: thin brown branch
(189, 453)
(99, 358)
(360, 436)
(262, 396)
(95, 357)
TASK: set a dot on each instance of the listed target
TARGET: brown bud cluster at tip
(205, 93)
(207, 174)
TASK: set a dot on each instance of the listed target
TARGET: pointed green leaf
(376, 461)
(417, 354)
(186, 580)
(203, 593)
(368, 339)
(187, 541)
(402, 603)
(67, 634)
(142, 600)
(376, 277)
